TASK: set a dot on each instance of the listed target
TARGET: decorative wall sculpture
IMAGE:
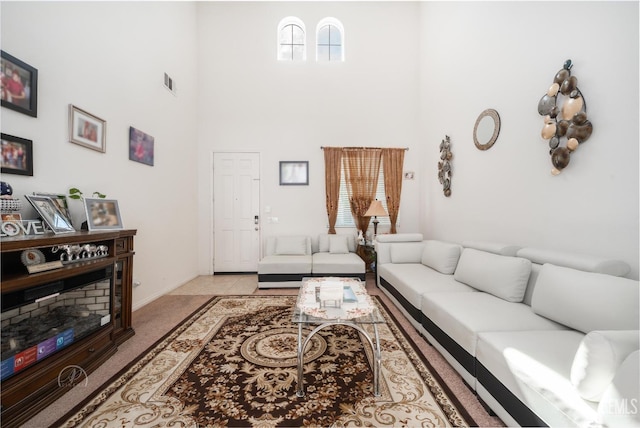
(444, 166)
(568, 123)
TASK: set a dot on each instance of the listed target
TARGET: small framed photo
(17, 155)
(140, 146)
(87, 130)
(19, 85)
(59, 200)
(294, 173)
(103, 214)
(52, 216)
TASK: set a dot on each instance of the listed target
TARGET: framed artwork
(17, 155)
(87, 130)
(52, 216)
(140, 146)
(19, 85)
(59, 200)
(11, 224)
(103, 214)
(294, 173)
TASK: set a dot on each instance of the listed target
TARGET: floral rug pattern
(233, 363)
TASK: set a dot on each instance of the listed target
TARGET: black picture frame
(27, 101)
(16, 155)
(294, 173)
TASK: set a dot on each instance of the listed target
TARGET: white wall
(109, 59)
(504, 55)
(250, 102)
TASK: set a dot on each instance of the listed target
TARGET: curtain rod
(405, 148)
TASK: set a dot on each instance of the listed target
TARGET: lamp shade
(376, 209)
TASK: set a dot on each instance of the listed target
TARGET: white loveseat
(288, 259)
(543, 337)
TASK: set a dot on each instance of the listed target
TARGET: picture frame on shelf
(52, 216)
(16, 155)
(87, 130)
(294, 173)
(103, 214)
(140, 146)
(59, 200)
(19, 85)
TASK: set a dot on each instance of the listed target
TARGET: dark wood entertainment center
(28, 391)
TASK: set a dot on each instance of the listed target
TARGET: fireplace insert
(39, 321)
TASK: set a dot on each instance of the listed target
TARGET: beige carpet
(177, 305)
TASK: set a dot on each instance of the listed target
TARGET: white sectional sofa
(544, 338)
(288, 259)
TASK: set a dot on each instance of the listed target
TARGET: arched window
(291, 40)
(330, 40)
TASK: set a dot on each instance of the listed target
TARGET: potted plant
(75, 193)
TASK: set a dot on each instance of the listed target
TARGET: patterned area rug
(233, 363)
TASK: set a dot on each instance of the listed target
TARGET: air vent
(169, 83)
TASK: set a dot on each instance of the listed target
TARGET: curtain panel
(361, 167)
(393, 163)
(332, 165)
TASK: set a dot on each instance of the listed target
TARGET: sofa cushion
(414, 279)
(586, 301)
(463, 315)
(324, 238)
(338, 244)
(285, 264)
(583, 262)
(598, 358)
(291, 245)
(535, 367)
(492, 247)
(503, 276)
(441, 256)
(619, 406)
(410, 252)
(327, 263)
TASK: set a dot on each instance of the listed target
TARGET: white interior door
(236, 202)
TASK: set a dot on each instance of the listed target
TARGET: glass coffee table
(355, 309)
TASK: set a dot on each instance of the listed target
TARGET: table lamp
(375, 209)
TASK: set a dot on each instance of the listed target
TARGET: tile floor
(219, 285)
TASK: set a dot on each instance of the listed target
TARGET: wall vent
(169, 83)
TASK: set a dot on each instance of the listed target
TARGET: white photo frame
(51, 214)
(103, 214)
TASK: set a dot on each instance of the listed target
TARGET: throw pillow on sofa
(598, 358)
(441, 256)
(503, 276)
(338, 244)
(291, 245)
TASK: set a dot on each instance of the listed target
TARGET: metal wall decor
(568, 123)
(444, 166)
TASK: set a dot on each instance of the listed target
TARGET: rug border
(450, 395)
(75, 409)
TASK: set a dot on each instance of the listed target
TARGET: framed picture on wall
(17, 155)
(140, 146)
(103, 214)
(19, 85)
(87, 130)
(294, 173)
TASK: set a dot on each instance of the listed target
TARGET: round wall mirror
(486, 130)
